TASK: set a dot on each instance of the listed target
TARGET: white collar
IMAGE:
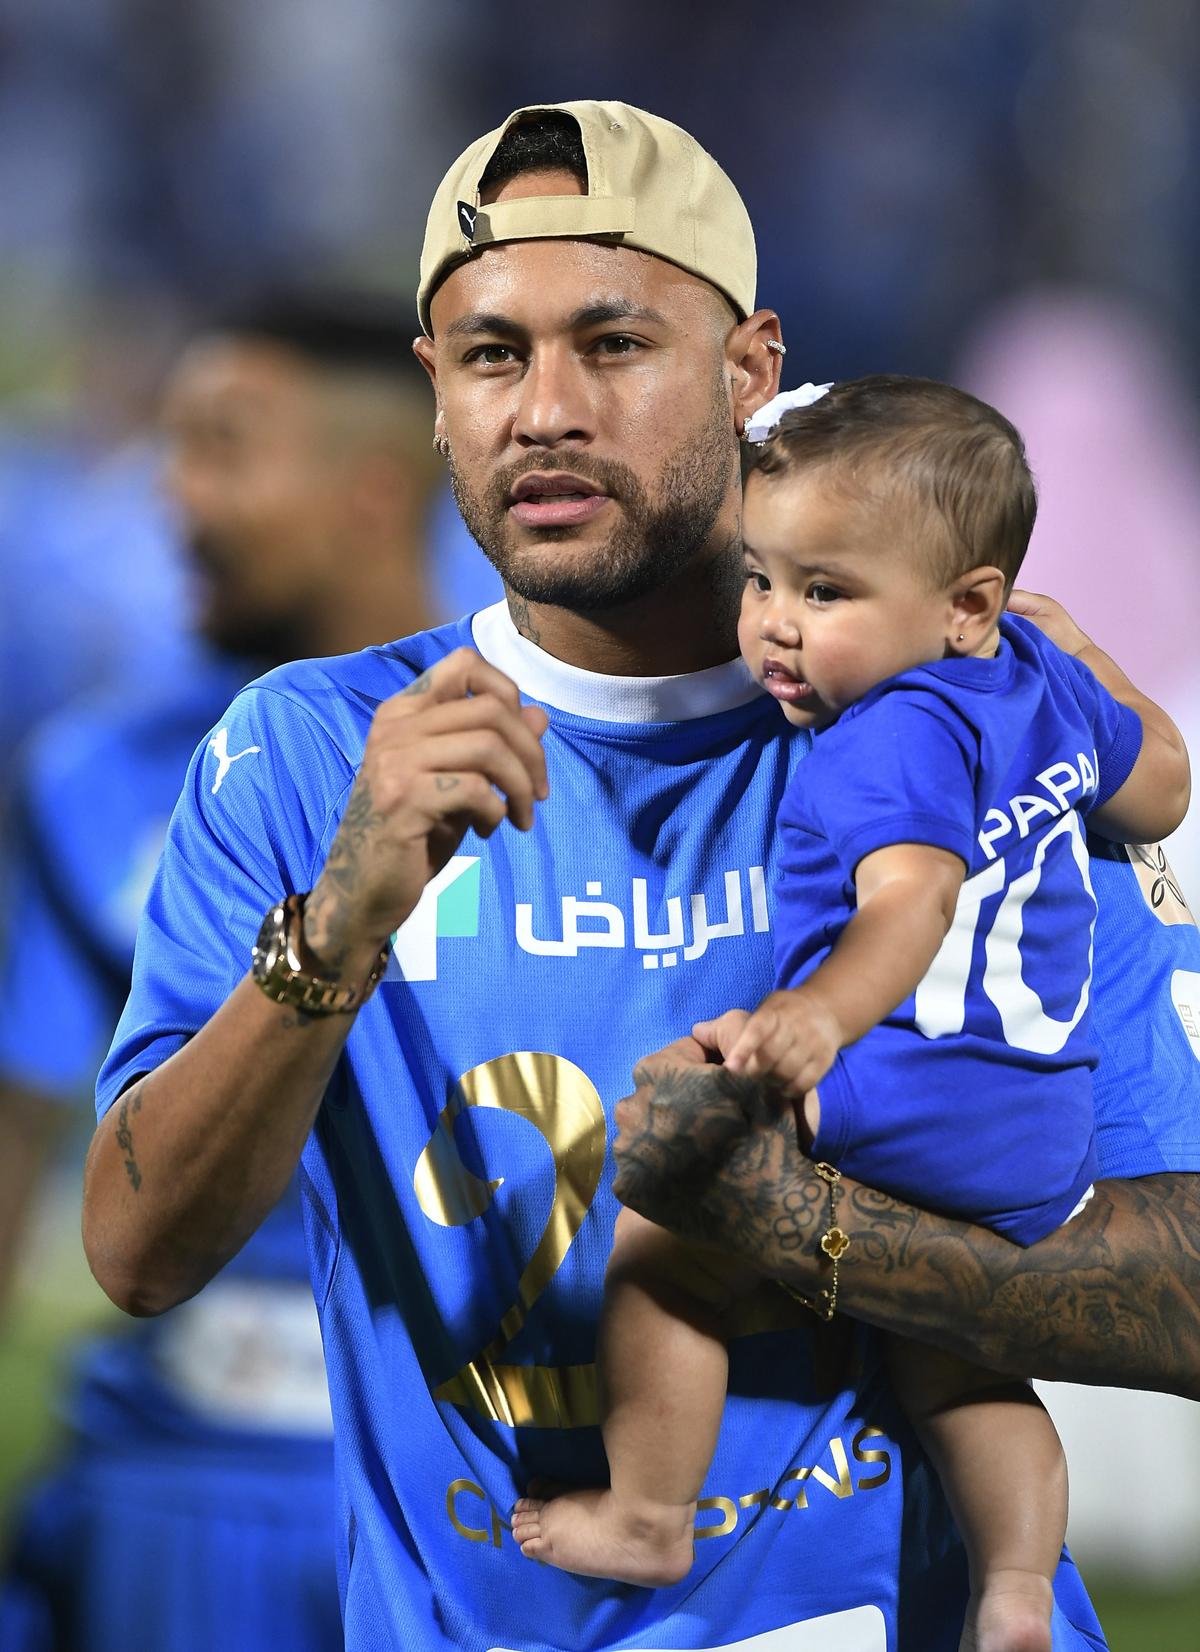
(595, 694)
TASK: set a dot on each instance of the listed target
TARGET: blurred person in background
(194, 1505)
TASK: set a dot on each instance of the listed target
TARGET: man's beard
(651, 544)
(232, 624)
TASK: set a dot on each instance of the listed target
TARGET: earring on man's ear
(962, 636)
(442, 446)
(779, 349)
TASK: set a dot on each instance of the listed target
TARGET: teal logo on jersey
(458, 903)
(448, 907)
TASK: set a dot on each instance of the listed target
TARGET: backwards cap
(649, 185)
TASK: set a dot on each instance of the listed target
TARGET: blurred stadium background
(993, 191)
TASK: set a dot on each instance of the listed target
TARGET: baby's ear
(976, 603)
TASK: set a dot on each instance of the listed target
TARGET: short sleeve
(903, 770)
(246, 831)
(60, 987)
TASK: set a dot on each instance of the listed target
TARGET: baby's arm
(1154, 798)
(906, 897)
(1005, 1477)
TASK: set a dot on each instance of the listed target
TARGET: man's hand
(685, 1123)
(454, 750)
(790, 1040)
(1051, 618)
(659, 1150)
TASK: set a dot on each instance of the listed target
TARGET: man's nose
(555, 403)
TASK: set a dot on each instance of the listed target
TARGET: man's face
(249, 467)
(583, 391)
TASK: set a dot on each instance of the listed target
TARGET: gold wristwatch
(276, 966)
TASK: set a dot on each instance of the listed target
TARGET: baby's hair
(950, 452)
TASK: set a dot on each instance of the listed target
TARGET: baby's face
(838, 593)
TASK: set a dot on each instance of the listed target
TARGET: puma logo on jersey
(219, 746)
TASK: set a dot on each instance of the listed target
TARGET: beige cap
(649, 185)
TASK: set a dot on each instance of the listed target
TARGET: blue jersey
(1146, 1013)
(457, 1178)
(974, 1095)
(242, 1363)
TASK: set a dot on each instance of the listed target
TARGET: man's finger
(462, 673)
(684, 1052)
(485, 753)
(537, 722)
(423, 743)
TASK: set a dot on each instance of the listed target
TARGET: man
(195, 1506)
(563, 880)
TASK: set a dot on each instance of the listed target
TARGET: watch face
(269, 945)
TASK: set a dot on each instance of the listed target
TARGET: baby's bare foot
(592, 1533)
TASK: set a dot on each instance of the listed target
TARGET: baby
(933, 955)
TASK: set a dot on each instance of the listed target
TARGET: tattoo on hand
(419, 685)
(445, 782)
(132, 1098)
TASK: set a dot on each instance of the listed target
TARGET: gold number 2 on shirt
(563, 1105)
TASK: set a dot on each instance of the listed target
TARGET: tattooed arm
(190, 1159)
(1111, 1297)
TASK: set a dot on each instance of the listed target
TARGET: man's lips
(555, 499)
(784, 684)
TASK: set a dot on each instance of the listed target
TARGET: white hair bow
(761, 425)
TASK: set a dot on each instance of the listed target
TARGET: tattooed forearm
(340, 878)
(132, 1099)
(343, 868)
(1111, 1297)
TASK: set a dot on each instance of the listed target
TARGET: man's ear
(754, 359)
(976, 603)
(425, 353)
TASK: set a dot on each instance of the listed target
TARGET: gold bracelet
(834, 1242)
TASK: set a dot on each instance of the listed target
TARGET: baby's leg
(663, 1369)
(1004, 1474)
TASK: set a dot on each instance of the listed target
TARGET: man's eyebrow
(616, 309)
(590, 315)
(484, 321)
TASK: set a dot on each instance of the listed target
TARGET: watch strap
(277, 967)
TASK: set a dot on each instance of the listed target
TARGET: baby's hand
(718, 1037)
(791, 1039)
